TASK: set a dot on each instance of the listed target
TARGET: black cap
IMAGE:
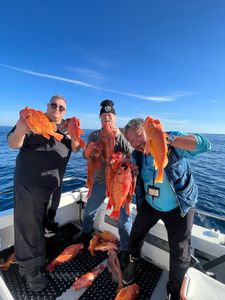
(107, 107)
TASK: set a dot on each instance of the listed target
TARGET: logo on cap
(108, 108)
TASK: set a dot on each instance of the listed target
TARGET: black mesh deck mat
(62, 277)
(104, 288)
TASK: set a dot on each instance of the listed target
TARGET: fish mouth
(124, 166)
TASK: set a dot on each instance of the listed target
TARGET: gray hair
(137, 122)
(53, 98)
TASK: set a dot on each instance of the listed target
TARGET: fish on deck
(114, 268)
(87, 279)
(103, 241)
(67, 254)
(107, 236)
(10, 260)
(129, 292)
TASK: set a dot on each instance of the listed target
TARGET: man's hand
(135, 170)
(116, 132)
(21, 125)
(94, 149)
(16, 138)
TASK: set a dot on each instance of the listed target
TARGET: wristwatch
(171, 138)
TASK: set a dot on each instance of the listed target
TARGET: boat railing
(72, 178)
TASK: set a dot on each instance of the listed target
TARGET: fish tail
(82, 143)
(128, 208)
(159, 177)
(51, 266)
(115, 214)
(109, 205)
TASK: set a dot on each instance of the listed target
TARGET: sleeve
(124, 144)
(11, 131)
(202, 145)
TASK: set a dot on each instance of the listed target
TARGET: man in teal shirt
(172, 201)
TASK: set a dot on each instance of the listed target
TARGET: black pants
(29, 209)
(179, 238)
(55, 200)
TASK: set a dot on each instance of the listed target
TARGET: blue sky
(160, 58)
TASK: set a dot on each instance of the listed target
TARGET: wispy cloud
(85, 84)
(85, 72)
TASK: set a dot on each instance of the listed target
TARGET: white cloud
(85, 84)
(85, 72)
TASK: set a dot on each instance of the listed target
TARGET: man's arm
(124, 144)
(16, 138)
(187, 143)
(75, 146)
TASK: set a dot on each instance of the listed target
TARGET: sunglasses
(54, 106)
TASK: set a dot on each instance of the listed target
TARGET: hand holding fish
(134, 170)
(94, 149)
(116, 132)
(22, 124)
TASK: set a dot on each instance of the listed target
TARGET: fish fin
(165, 162)
(57, 136)
(47, 136)
(155, 165)
(159, 177)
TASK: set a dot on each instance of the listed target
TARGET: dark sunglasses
(54, 106)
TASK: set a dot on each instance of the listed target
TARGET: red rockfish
(87, 279)
(107, 138)
(94, 163)
(39, 123)
(10, 260)
(74, 130)
(156, 145)
(122, 190)
(129, 292)
(67, 254)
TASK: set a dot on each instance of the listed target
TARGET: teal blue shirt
(167, 200)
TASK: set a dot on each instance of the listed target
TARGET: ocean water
(208, 169)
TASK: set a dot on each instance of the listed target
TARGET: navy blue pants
(179, 238)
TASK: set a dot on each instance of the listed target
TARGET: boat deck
(61, 279)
